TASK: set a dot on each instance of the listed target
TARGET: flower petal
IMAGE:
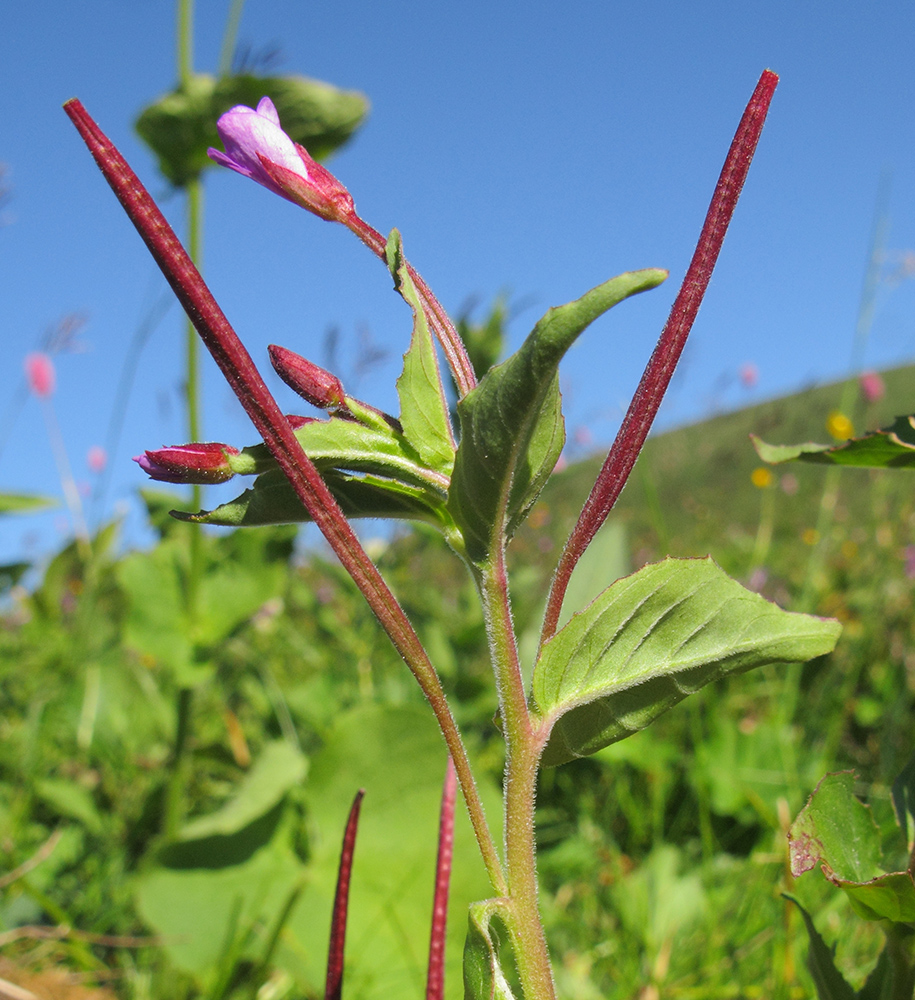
(250, 134)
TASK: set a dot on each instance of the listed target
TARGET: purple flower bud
(198, 463)
(249, 134)
(319, 387)
(257, 147)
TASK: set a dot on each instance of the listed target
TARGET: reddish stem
(660, 368)
(435, 980)
(333, 988)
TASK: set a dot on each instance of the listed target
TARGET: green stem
(174, 792)
(523, 746)
(227, 48)
(184, 38)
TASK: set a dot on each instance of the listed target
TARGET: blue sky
(521, 148)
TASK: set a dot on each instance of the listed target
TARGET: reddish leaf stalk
(656, 378)
(435, 979)
(240, 372)
(333, 987)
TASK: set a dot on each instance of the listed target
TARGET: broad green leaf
(650, 640)
(242, 571)
(821, 961)
(197, 909)
(181, 126)
(23, 503)
(511, 423)
(279, 767)
(483, 976)
(423, 408)
(890, 448)
(605, 560)
(273, 501)
(838, 832)
(396, 754)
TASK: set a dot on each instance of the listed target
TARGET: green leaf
(19, 503)
(348, 446)
(198, 910)
(279, 767)
(273, 501)
(821, 961)
(70, 800)
(650, 640)
(511, 423)
(396, 754)
(890, 448)
(838, 832)
(483, 976)
(372, 472)
(181, 126)
(423, 407)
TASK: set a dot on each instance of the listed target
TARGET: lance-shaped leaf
(830, 985)
(650, 640)
(890, 448)
(273, 501)
(483, 976)
(423, 408)
(838, 831)
(511, 423)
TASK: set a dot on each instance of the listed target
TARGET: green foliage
(511, 423)
(483, 975)
(650, 640)
(661, 855)
(423, 410)
(181, 126)
(890, 448)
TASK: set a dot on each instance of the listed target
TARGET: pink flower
(39, 370)
(872, 387)
(96, 458)
(749, 375)
(200, 463)
(257, 147)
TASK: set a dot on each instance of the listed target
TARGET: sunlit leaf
(838, 832)
(511, 423)
(890, 448)
(423, 408)
(650, 640)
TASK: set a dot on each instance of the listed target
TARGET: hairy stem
(245, 380)
(656, 378)
(523, 749)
